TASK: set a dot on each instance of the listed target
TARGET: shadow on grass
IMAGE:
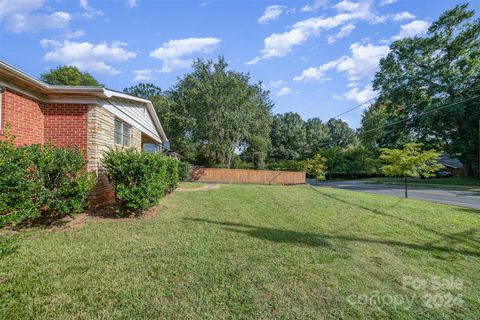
(322, 240)
(465, 237)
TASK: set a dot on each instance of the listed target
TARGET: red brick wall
(25, 117)
(66, 124)
(33, 122)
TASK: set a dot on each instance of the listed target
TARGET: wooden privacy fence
(246, 176)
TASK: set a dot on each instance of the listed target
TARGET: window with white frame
(122, 133)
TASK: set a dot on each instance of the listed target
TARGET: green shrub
(140, 179)
(172, 175)
(62, 175)
(39, 181)
(18, 187)
(183, 171)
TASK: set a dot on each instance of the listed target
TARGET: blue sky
(316, 57)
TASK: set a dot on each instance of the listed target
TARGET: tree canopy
(288, 137)
(212, 113)
(69, 75)
(144, 90)
(443, 67)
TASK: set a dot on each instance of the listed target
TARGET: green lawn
(454, 182)
(257, 252)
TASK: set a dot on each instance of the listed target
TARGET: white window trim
(122, 136)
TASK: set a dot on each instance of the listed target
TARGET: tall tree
(288, 137)
(441, 68)
(339, 133)
(334, 160)
(316, 135)
(374, 132)
(68, 75)
(225, 112)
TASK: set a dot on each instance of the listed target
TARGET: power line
(350, 110)
(410, 118)
(421, 114)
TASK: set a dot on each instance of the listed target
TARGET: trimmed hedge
(40, 181)
(183, 171)
(140, 179)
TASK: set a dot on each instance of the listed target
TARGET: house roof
(52, 93)
(447, 161)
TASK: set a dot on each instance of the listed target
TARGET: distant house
(452, 165)
(93, 118)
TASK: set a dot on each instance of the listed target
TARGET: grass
(191, 185)
(453, 182)
(250, 252)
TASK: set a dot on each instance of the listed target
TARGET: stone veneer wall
(101, 126)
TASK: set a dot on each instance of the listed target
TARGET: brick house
(93, 118)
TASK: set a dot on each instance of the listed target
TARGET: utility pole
(479, 148)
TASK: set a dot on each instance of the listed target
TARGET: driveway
(468, 199)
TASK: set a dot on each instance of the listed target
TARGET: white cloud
(89, 12)
(359, 96)
(412, 29)
(284, 91)
(403, 16)
(144, 74)
(315, 6)
(174, 64)
(271, 13)
(344, 32)
(173, 52)
(174, 49)
(74, 34)
(347, 6)
(387, 2)
(36, 22)
(131, 3)
(8, 7)
(87, 56)
(281, 44)
(277, 84)
(317, 73)
(361, 10)
(20, 16)
(362, 63)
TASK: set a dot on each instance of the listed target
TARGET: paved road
(468, 199)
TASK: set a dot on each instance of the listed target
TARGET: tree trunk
(406, 192)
